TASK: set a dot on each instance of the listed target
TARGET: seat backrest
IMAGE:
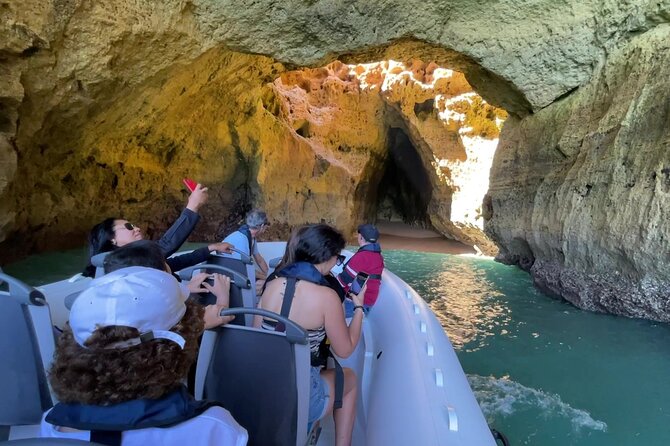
(98, 261)
(238, 285)
(27, 347)
(272, 263)
(47, 442)
(249, 298)
(262, 377)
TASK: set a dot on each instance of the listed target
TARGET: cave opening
(405, 189)
(412, 143)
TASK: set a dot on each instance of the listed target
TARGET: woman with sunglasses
(311, 253)
(113, 233)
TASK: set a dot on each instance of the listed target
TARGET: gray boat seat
(238, 285)
(47, 442)
(244, 266)
(98, 261)
(27, 348)
(262, 377)
(70, 298)
(274, 262)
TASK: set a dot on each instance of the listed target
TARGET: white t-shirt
(215, 426)
(240, 242)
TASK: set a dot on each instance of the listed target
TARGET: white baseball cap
(150, 300)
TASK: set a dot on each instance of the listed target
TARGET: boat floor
(327, 437)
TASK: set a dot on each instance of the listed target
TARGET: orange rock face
(308, 146)
(351, 117)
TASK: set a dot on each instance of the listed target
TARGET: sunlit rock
(580, 192)
(438, 136)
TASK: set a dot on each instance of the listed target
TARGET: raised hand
(197, 198)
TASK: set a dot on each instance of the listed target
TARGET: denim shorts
(318, 396)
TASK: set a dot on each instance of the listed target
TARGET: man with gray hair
(244, 239)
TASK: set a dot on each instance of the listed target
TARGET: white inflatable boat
(413, 390)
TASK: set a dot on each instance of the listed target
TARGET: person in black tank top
(312, 252)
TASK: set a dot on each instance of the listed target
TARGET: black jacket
(178, 232)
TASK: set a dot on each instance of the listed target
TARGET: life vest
(244, 229)
(303, 271)
(372, 247)
(107, 423)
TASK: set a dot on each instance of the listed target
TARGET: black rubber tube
(498, 436)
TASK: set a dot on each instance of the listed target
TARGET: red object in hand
(190, 184)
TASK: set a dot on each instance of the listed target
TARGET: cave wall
(580, 191)
(584, 81)
(348, 113)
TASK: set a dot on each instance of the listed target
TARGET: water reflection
(468, 306)
(466, 302)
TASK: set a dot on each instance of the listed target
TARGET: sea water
(544, 372)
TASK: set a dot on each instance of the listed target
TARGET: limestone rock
(580, 192)
(124, 87)
(348, 115)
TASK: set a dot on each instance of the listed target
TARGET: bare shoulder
(323, 292)
(274, 284)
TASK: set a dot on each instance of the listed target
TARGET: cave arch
(404, 191)
(58, 88)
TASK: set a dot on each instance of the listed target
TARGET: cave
(108, 125)
(405, 189)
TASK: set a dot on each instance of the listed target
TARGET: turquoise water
(544, 372)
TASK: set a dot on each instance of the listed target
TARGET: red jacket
(369, 262)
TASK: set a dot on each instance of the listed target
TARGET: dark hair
(95, 375)
(138, 253)
(99, 240)
(317, 243)
(291, 245)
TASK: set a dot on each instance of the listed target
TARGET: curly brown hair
(95, 375)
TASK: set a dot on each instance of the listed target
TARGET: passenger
(113, 233)
(317, 308)
(287, 259)
(244, 240)
(148, 254)
(369, 260)
(120, 364)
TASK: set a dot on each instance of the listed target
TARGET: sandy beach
(396, 235)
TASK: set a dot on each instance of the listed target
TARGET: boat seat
(70, 298)
(98, 261)
(243, 266)
(262, 377)
(274, 262)
(239, 283)
(27, 348)
(47, 442)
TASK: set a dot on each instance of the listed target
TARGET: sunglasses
(129, 226)
(340, 259)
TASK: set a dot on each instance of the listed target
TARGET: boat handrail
(240, 280)
(294, 332)
(22, 292)
(244, 257)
